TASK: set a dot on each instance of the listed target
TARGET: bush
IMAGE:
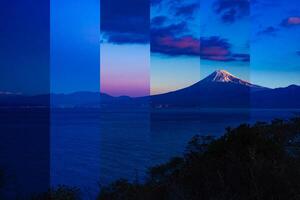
(62, 192)
(248, 162)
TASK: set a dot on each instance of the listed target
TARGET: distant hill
(219, 89)
(90, 99)
(287, 97)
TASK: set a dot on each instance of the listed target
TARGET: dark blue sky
(126, 21)
(24, 46)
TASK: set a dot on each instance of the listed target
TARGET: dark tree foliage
(62, 192)
(258, 162)
(1, 180)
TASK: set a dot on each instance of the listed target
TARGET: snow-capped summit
(222, 76)
(225, 77)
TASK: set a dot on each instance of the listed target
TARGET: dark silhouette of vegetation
(1, 180)
(258, 162)
(62, 192)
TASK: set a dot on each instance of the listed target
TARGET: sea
(89, 148)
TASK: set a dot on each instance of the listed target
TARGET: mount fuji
(222, 89)
(225, 77)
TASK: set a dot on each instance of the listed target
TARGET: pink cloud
(294, 20)
(210, 48)
(218, 58)
(186, 43)
(214, 51)
(291, 21)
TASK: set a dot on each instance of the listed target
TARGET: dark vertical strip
(24, 98)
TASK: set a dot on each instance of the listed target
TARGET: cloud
(175, 39)
(268, 31)
(285, 23)
(208, 48)
(187, 10)
(291, 21)
(155, 2)
(176, 46)
(172, 40)
(170, 30)
(232, 10)
(241, 57)
(158, 21)
(123, 21)
(126, 38)
(219, 49)
(215, 48)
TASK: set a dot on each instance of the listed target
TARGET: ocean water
(24, 152)
(89, 148)
(75, 149)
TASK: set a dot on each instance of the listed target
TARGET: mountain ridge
(219, 89)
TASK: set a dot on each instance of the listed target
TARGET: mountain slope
(225, 77)
(219, 89)
(288, 97)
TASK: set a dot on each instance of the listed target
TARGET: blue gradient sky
(175, 45)
(125, 60)
(275, 43)
(24, 46)
(230, 22)
(125, 69)
(75, 50)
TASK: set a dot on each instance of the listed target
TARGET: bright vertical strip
(125, 47)
(75, 35)
(275, 39)
(125, 69)
(75, 68)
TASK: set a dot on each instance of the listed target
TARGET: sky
(175, 44)
(74, 44)
(256, 40)
(225, 37)
(142, 47)
(190, 39)
(125, 49)
(24, 47)
(265, 32)
(275, 43)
